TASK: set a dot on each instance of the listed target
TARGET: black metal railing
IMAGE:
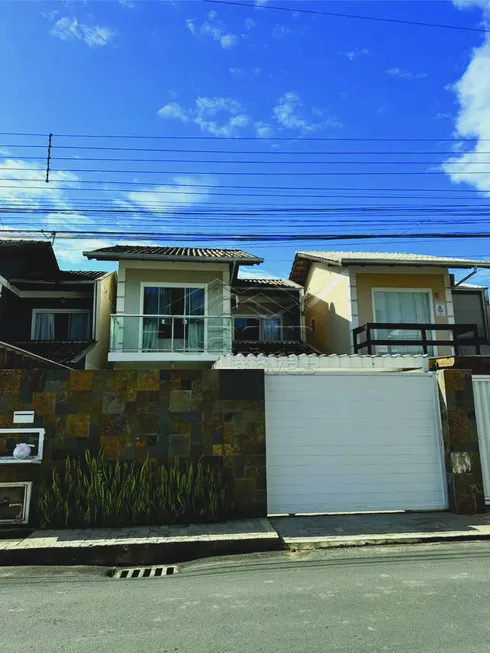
(463, 335)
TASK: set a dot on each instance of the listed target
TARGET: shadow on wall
(326, 330)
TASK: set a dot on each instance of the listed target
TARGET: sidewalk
(139, 545)
(321, 532)
(173, 544)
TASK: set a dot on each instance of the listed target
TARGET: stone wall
(461, 449)
(216, 416)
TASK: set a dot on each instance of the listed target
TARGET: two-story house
(380, 303)
(187, 306)
(58, 315)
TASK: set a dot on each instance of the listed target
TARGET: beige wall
(105, 305)
(215, 278)
(425, 280)
(329, 292)
(328, 303)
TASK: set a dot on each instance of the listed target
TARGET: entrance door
(401, 306)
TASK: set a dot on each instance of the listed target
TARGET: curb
(136, 554)
(315, 543)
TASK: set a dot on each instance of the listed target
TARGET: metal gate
(351, 442)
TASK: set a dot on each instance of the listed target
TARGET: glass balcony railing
(171, 333)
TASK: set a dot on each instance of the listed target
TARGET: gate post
(460, 436)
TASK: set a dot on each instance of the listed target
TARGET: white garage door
(341, 442)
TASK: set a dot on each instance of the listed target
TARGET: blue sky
(192, 69)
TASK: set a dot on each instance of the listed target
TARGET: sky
(248, 120)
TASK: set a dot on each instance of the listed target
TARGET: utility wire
(343, 15)
(252, 138)
(254, 161)
(251, 237)
(173, 187)
(203, 173)
(237, 152)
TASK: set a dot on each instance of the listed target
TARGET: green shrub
(95, 492)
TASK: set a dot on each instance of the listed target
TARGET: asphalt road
(404, 599)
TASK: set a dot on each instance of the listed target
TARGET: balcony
(170, 337)
(412, 338)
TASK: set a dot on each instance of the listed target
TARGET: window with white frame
(21, 445)
(60, 324)
(265, 329)
(15, 499)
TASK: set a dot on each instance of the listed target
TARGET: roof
(65, 352)
(254, 282)
(284, 348)
(303, 260)
(63, 276)
(468, 286)
(14, 261)
(82, 275)
(19, 244)
(173, 254)
(12, 353)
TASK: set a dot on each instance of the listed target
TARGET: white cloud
(405, 74)
(352, 55)
(290, 114)
(22, 180)
(127, 3)
(239, 73)
(236, 72)
(220, 116)
(473, 118)
(263, 129)
(261, 3)
(191, 25)
(249, 23)
(256, 273)
(280, 31)
(173, 110)
(21, 185)
(69, 29)
(181, 192)
(215, 29)
(225, 116)
(228, 41)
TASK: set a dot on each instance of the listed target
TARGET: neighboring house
(471, 304)
(187, 305)
(268, 317)
(380, 303)
(62, 316)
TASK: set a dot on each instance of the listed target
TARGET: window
(15, 500)
(174, 323)
(60, 325)
(258, 328)
(401, 306)
(11, 438)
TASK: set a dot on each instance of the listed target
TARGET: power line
(254, 138)
(254, 161)
(100, 171)
(181, 186)
(251, 237)
(342, 15)
(237, 152)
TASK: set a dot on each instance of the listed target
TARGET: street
(410, 599)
